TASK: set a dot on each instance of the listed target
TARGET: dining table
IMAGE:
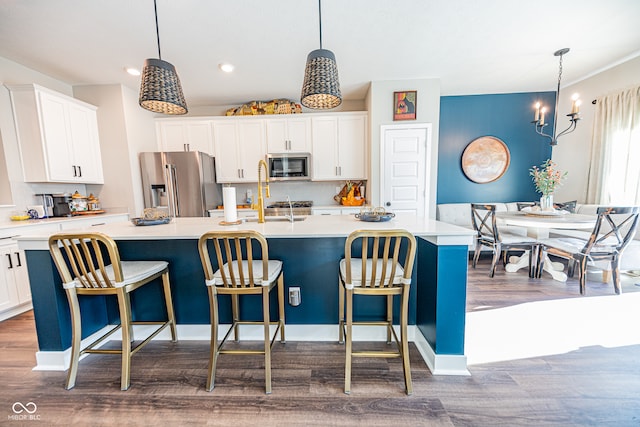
(538, 224)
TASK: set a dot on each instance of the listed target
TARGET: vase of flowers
(546, 178)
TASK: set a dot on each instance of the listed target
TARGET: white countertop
(313, 226)
(17, 225)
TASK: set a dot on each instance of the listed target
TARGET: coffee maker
(61, 204)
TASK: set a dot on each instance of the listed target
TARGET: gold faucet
(260, 205)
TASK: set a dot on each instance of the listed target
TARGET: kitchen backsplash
(320, 193)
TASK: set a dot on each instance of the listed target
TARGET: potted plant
(546, 178)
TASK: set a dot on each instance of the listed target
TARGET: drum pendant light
(160, 89)
(321, 87)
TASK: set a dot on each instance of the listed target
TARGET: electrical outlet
(294, 296)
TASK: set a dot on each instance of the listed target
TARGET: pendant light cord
(155, 10)
(319, 19)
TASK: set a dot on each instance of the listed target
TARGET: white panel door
(404, 170)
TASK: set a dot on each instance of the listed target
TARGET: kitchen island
(310, 250)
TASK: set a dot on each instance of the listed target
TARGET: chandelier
(540, 110)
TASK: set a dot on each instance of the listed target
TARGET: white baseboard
(14, 311)
(438, 364)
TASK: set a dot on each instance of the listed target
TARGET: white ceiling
(488, 46)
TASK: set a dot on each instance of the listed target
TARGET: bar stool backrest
(235, 249)
(85, 253)
(382, 257)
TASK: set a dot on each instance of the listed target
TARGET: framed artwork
(485, 159)
(404, 105)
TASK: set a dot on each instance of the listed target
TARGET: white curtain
(614, 172)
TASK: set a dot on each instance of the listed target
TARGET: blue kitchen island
(310, 250)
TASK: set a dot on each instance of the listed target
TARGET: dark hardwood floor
(593, 385)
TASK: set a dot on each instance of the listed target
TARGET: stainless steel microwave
(289, 166)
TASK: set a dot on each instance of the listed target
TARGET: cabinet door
(277, 137)
(171, 136)
(8, 291)
(325, 155)
(352, 149)
(251, 148)
(288, 135)
(56, 134)
(185, 136)
(21, 275)
(85, 143)
(225, 136)
(299, 130)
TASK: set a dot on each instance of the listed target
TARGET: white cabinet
(87, 221)
(14, 280)
(185, 135)
(58, 136)
(335, 211)
(339, 147)
(239, 146)
(289, 135)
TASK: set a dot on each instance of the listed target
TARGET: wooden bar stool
(238, 274)
(377, 272)
(91, 274)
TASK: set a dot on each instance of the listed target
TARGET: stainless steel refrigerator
(183, 182)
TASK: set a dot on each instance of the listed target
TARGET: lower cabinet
(15, 293)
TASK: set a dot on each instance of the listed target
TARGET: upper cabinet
(291, 134)
(239, 146)
(339, 147)
(58, 136)
(185, 135)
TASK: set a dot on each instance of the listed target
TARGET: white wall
(573, 152)
(380, 105)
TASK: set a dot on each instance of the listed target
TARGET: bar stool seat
(84, 269)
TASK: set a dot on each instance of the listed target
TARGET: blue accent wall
(504, 116)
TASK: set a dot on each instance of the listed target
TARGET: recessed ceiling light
(132, 71)
(226, 67)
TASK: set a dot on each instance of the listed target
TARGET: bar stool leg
(405, 341)
(125, 321)
(76, 335)
(389, 317)
(267, 343)
(348, 348)
(213, 352)
(281, 307)
(169, 303)
(341, 291)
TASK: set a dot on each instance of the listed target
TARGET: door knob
(388, 203)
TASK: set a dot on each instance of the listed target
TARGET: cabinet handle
(18, 257)
(340, 169)
(75, 171)
(10, 261)
(242, 173)
(79, 171)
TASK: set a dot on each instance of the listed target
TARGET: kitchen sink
(278, 218)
